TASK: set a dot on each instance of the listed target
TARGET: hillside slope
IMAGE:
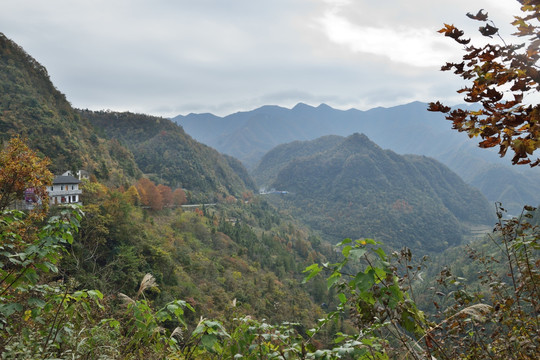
(241, 252)
(32, 107)
(353, 188)
(163, 149)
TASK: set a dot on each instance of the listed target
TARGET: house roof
(66, 179)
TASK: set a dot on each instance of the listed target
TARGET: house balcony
(64, 192)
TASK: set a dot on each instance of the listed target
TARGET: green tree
(502, 78)
(379, 299)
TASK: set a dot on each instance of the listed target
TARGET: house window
(61, 187)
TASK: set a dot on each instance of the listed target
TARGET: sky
(171, 57)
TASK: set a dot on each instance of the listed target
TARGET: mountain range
(405, 129)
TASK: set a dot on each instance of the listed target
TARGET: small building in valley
(65, 190)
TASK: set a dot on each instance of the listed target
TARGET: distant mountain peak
(357, 142)
(304, 106)
(301, 106)
(324, 106)
(358, 137)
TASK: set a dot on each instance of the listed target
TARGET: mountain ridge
(352, 183)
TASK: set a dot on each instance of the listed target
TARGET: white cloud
(413, 46)
(171, 56)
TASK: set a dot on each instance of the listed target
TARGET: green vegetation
(163, 149)
(354, 187)
(376, 309)
(211, 255)
(215, 259)
(405, 129)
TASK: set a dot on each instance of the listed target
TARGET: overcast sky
(170, 57)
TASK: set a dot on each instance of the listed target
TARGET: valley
(405, 129)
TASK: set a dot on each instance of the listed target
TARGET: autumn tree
(179, 197)
(166, 195)
(247, 196)
(503, 78)
(149, 193)
(142, 186)
(22, 169)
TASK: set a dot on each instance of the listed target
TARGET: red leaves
(486, 30)
(438, 107)
(458, 67)
(520, 85)
(494, 95)
(447, 66)
(454, 33)
(489, 142)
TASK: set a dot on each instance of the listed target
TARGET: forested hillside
(237, 256)
(210, 256)
(352, 187)
(277, 158)
(163, 149)
(233, 259)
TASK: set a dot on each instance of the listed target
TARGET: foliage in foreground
(43, 317)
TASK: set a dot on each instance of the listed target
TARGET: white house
(65, 190)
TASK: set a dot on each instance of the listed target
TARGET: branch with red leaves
(501, 78)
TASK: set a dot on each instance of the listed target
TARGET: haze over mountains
(170, 252)
(405, 129)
